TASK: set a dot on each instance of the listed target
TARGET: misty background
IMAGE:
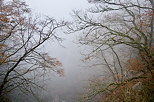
(76, 51)
(77, 73)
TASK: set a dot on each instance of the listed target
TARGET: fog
(72, 84)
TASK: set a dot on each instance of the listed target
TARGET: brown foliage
(144, 19)
(126, 93)
(21, 37)
(135, 64)
(3, 55)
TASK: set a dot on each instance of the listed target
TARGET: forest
(116, 36)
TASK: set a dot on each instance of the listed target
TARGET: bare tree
(113, 24)
(118, 22)
(21, 38)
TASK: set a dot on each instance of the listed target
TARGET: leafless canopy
(21, 37)
(118, 22)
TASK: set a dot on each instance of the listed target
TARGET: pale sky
(70, 56)
(57, 8)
